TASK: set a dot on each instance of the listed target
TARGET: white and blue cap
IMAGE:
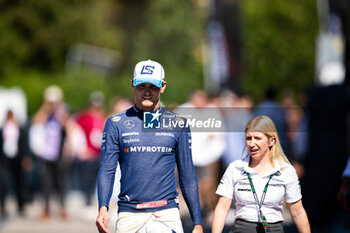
(148, 72)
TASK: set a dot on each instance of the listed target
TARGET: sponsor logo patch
(165, 134)
(116, 118)
(244, 190)
(131, 140)
(130, 134)
(129, 124)
(147, 70)
(162, 149)
(151, 204)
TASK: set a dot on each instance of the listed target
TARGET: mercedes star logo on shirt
(129, 124)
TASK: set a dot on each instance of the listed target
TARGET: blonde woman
(259, 183)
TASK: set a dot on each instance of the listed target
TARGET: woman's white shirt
(235, 185)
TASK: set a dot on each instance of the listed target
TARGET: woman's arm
(299, 216)
(220, 214)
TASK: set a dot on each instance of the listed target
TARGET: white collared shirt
(235, 185)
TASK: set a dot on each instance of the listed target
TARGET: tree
(172, 33)
(279, 45)
(37, 33)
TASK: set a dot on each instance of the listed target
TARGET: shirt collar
(277, 168)
(140, 112)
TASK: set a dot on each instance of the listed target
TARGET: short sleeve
(293, 191)
(225, 187)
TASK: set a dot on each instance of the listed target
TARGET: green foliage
(32, 83)
(171, 35)
(77, 88)
(36, 34)
(279, 45)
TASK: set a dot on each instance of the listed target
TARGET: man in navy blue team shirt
(148, 197)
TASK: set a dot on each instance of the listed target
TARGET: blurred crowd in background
(289, 60)
(56, 151)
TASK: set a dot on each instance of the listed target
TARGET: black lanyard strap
(262, 217)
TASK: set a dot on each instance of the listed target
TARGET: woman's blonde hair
(265, 125)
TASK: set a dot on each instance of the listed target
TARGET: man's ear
(162, 88)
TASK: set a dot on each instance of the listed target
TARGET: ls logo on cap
(147, 70)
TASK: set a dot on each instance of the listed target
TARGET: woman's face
(258, 143)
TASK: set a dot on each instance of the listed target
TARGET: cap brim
(155, 82)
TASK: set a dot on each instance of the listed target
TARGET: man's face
(148, 96)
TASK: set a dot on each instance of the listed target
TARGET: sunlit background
(88, 49)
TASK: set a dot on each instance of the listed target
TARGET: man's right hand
(102, 220)
(197, 229)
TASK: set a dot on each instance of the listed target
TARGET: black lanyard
(262, 217)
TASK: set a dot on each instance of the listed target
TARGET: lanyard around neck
(262, 216)
(264, 192)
